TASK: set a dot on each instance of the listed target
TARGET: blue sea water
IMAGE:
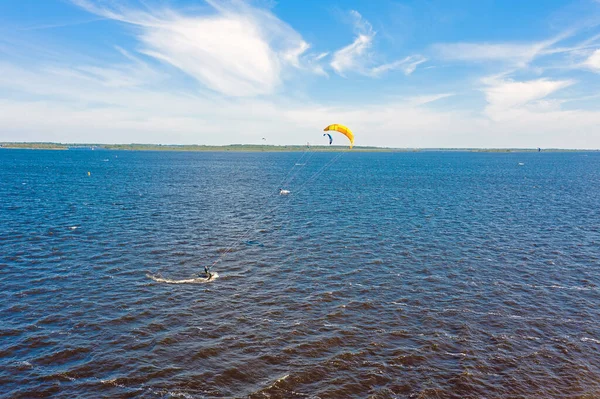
(382, 275)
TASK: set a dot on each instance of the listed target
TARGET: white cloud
(358, 58)
(426, 99)
(313, 63)
(83, 108)
(407, 65)
(506, 96)
(593, 62)
(514, 54)
(79, 108)
(236, 50)
(135, 73)
(226, 54)
(511, 53)
(293, 55)
(361, 25)
(354, 56)
(350, 57)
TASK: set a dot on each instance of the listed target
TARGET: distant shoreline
(255, 148)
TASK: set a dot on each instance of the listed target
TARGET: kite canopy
(330, 138)
(343, 130)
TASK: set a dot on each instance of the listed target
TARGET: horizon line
(116, 146)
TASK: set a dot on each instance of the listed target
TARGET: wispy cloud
(407, 65)
(358, 57)
(314, 64)
(60, 25)
(593, 62)
(426, 99)
(234, 49)
(355, 56)
(480, 52)
(131, 73)
(512, 54)
(293, 55)
(504, 95)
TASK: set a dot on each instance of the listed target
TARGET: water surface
(389, 275)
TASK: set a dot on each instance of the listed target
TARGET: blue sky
(418, 73)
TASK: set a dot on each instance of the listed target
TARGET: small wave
(180, 395)
(559, 287)
(275, 386)
(198, 280)
(66, 376)
(278, 381)
(585, 339)
(23, 366)
(112, 382)
(460, 354)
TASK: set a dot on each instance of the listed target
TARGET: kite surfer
(207, 273)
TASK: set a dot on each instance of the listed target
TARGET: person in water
(207, 273)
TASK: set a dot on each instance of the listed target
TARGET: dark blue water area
(381, 275)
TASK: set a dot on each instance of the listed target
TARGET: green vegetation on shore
(250, 148)
(172, 147)
(35, 146)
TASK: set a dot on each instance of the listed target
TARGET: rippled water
(391, 275)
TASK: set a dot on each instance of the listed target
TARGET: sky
(407, 74)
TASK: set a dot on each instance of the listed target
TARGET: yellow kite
(343, 130)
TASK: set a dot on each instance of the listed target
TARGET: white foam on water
(68, 377)
(562, 287)
(585, 339)
(198, 280)
(24, 364)
(275, 383)
(176, 394)
(112, 382)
